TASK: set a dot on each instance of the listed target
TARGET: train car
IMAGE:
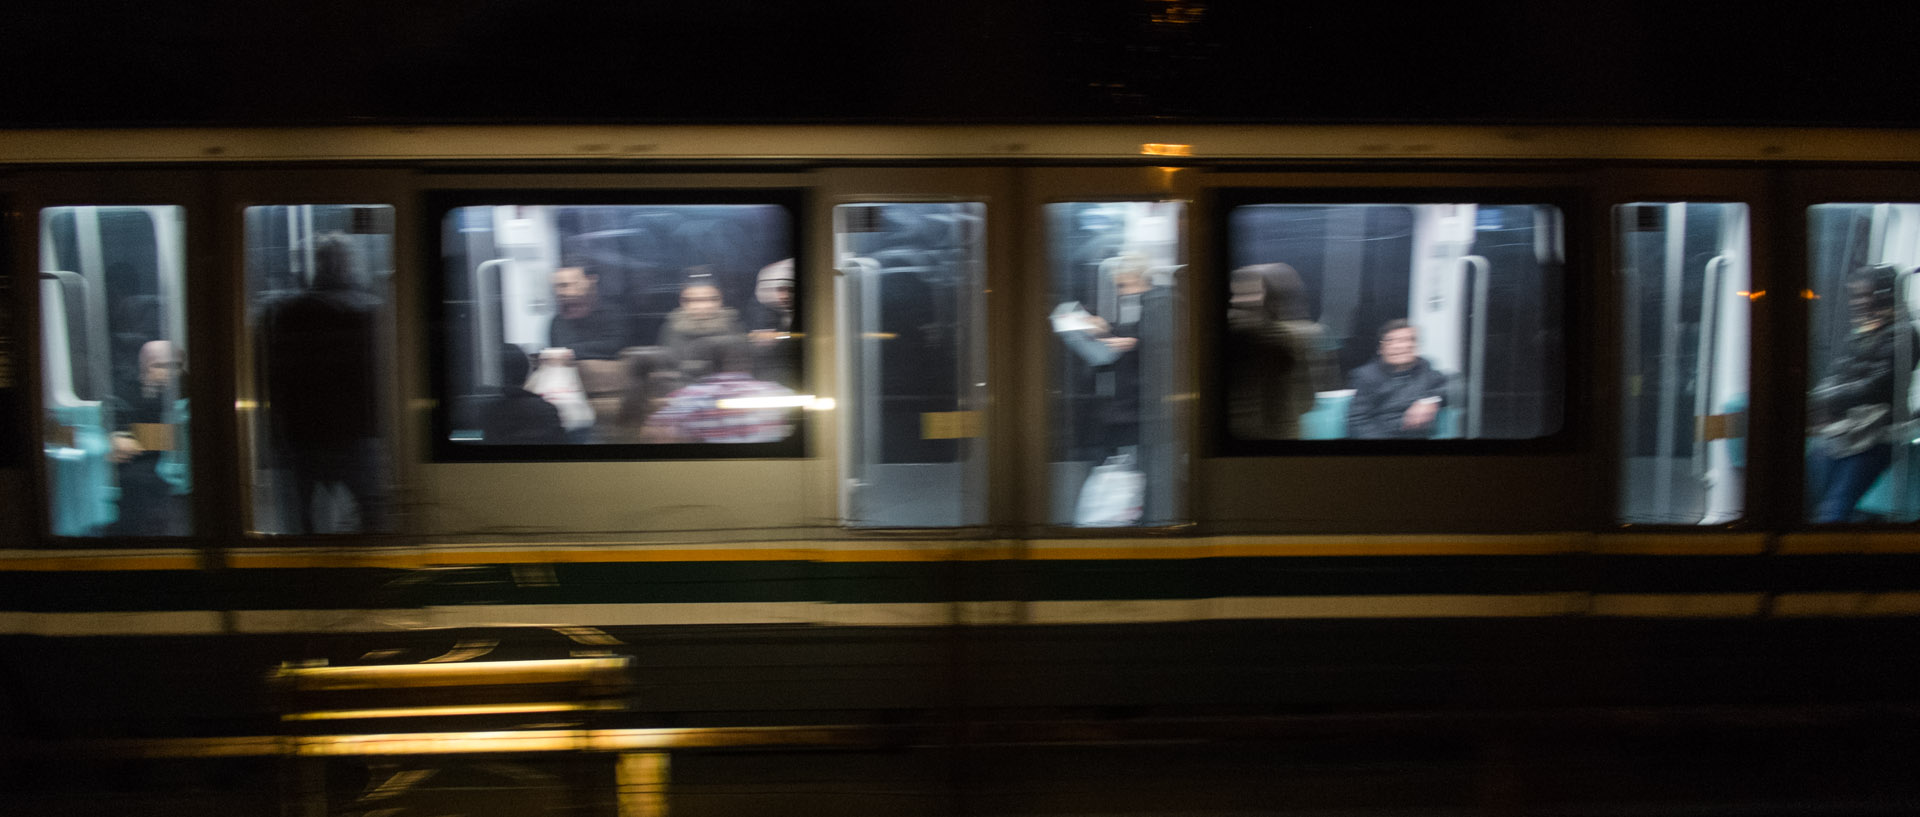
(1026, 469)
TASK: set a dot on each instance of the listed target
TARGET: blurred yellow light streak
(1164, 149)
(559, 670)
(452, 711)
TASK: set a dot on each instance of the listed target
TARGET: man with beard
(580, 322)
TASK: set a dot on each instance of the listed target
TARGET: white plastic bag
(1112, 496)
(558, 382)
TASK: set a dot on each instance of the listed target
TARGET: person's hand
(1420, 414)
(125, 448)
(1100, 324)
(763, 337)
(1120, 344)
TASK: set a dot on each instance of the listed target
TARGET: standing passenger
(1399, 395)
(321, 373)
(1274, 360)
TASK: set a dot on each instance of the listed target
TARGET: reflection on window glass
(621, 324)
(1394, 321)
(1117, 458)
(1860, 363)
(1684, 311)
(318, 293)
(910, 303)
(113, 355)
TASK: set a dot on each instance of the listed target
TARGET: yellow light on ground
(451, 711)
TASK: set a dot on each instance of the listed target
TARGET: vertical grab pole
(1710, 296)
(1675, 275)
(1478, 270)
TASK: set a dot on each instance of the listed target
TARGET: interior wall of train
(1245, 351)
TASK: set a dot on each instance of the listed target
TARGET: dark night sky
(92, 62)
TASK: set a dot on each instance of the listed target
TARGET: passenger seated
(1852, 410)
(701, 315)
(517, 416)
(693, 414)
(151, 424)
(1399, 395)
(776, 352)
(581, 322)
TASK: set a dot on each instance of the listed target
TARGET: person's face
(158, 363)
(1130, 280)
(1860, 305)
(777, 295)
(700, 300)
(1399, 347)
(572, 287)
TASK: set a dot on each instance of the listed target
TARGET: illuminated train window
(1863, 464)
(319, 312)
(1684, 317)
(114, 362)
(658, 330)
(1393, 322)
(1117, 267)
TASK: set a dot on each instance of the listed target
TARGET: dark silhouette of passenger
(1854, 410)
(1274, 360)
(149, 425)
(516, 416)
(321, 370)
(1397, 396)
(581, 321)
(701, 315)
(776, 351)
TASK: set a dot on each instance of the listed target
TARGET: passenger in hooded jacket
(1852, 410)
(1275, 364)
(1397, 396)
(701, 315)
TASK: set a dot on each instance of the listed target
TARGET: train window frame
(1213, 291)
(435, 207)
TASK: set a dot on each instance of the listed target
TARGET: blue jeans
(1840, 482)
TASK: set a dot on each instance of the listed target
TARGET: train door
(910, 253)
(1684, 276)
(319, 283)
(1105, 336)
(113, 361)
(911, 279)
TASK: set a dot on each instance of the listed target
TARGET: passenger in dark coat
(517, 416)
(153, 500)
(581, 321)
(1853, 409)
(1274, 360)
(1399, 395)
(320, 368)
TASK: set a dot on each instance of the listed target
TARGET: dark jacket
(520, 417)
(1852, 408)
(1381, 396)
(598, 335)
(1274, 368)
